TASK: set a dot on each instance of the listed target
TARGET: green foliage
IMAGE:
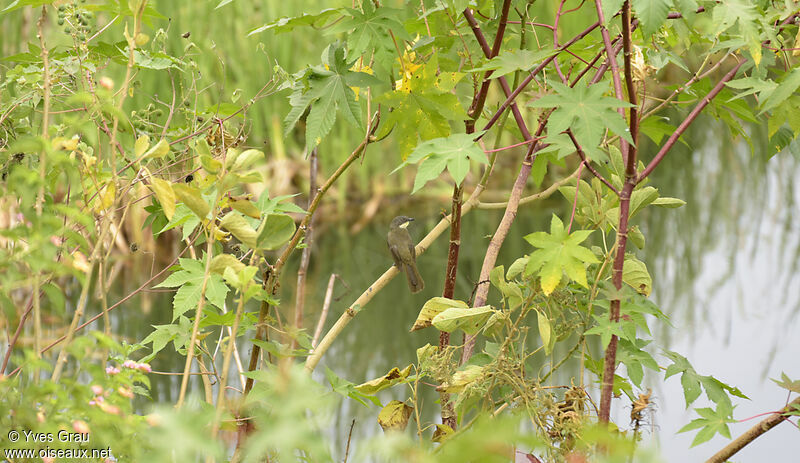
(116, 110)
(710, 423)
(327, 90)
(453, 152)
(513, 60)
(422, 106)
(559, 252)
(586, 112)
(100, 404)
(192, 281)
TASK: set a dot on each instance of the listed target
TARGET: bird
(402, 248)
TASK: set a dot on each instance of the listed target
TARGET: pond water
(725, 269)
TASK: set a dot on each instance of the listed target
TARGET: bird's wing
(395, 255)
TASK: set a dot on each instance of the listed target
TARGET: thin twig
(325, 307)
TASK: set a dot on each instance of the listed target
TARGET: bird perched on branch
(403, 253)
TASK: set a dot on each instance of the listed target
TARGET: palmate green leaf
(632, 354)
(330, 92)
(513, 60)
(587, 111)
(606, 328)
(453, 152)
(744, 14)
(559, 253)
(710, 423)
(752, 85)
(651, 13)
(327, 90)
(371, 29)
(788, 384)
(190, 280)
(422, 107)
(690, 380)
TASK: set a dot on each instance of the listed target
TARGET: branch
(510, 98)
(305, 258)
(686, 122)
(360, 303)
(630, 169)
(541, 195)
(589, 165)
(499, 237)
(270, 281)
(614, 69)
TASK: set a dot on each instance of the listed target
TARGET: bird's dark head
(400, 221)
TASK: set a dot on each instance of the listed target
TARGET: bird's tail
(415, 282)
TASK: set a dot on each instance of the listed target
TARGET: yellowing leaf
(222, 261)
(246, 159)
(106, 197)
(559, 253)
(432, 308)
(394, 416)
(425, 353)
(211, 165)
(461, 379)
(420, 108)
(634, 273)
(394, 376)
(545, 331)
(246, 207)
(158, 151)
(193, 199)
(236, 224)
(470, 320)
(441, 433)
(141, 146)
(165, 195)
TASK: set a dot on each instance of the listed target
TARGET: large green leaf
(371, 29)
(422, 107)
(559, 252)
(587, 112)
(327, 90)
(652, 14)
(276, 230)
(453, 152)
(190, 282)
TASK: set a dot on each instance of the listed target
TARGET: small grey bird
(402, 248)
